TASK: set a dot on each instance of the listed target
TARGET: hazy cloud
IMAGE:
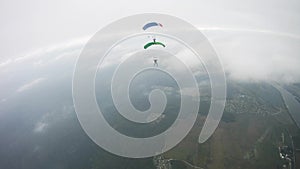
(246, 54)
(30, 85)
(40, 127)
(258, 55)
(48, 119)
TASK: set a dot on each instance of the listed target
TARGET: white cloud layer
(256, 40)
(40, 127)
(258, 55)
(247, 54)
(30, 85)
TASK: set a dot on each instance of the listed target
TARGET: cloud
(257, 55)
(47, 54)
(262, 31)
(247, 54)
(49, 118)
(40, 127)
(253, 54)
(3, 100)
(30, 85)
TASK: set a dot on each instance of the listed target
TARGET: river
(291, 103)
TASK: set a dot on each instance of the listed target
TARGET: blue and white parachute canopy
(151, 24)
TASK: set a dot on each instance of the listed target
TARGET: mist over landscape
(257, 42)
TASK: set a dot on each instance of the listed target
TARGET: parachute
(151, 24)
(153, 43)
(148, 25)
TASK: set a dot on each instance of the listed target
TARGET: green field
(247, 137)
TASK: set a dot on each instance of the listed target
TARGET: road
(185, 162)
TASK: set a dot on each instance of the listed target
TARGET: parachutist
(155, 63)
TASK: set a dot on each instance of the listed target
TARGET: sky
(255, 40)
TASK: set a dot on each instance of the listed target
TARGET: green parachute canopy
(153, 43)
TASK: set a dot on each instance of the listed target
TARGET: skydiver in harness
(155, 59)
